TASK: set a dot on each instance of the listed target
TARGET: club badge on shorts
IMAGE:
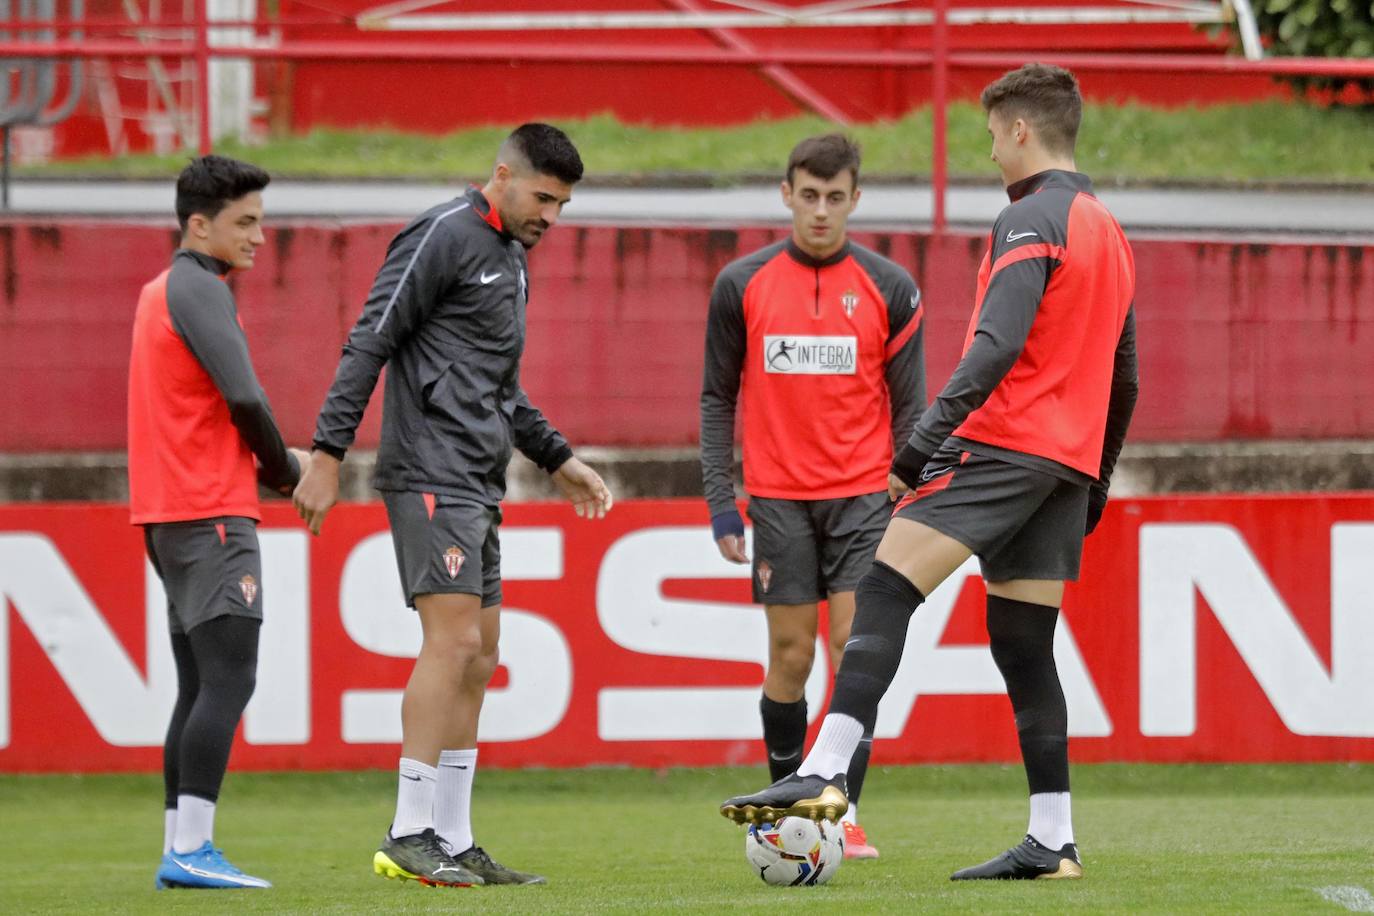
(453, 561)
(765, 576)
(249, 586)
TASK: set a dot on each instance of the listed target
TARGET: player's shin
(884, 603)
(1021, 636)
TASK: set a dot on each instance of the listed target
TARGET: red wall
(1209, 629)
(1236, 340)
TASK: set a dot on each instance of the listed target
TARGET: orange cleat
(856, 843)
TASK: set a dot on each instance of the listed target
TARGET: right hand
(728, 530)
(318, 490)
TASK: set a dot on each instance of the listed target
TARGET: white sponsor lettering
(931, 669)
(788, 354)
(634, 613)
(533, 650)
(1178, 562)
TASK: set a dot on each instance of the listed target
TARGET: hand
(302, 461)
(908, 464)
(318, 490)
(584, 488)
(1096, 503)
(728, 530)
(896, 488)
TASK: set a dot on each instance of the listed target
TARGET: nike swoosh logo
(1011, 237)
(408, 776)
(931, 475)
(851, 642)
(222, 876)
(486, 278)
(791, 756)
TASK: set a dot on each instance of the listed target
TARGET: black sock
(1022, 639)
(784, 735)
(883, 604)
(226, 656)
(858, 767)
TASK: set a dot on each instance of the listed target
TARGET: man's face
(820, 209)
(530, 203)
(1007, 146)
(234, 234)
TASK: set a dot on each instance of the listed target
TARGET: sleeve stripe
(405, 275)
(894, 346)
(1026, 252)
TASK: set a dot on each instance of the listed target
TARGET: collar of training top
(805, 260)
(1049, 178)
(485, 209)
(209, 262)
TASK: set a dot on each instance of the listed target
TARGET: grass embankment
(1263, 142)
(1155, 839)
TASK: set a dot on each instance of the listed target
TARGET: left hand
(896, 487)
(584, 488)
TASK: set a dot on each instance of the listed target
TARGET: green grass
(1157, 839)
(1268, 141)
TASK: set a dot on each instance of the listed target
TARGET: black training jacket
(447, 316)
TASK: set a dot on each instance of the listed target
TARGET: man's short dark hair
(1043, 94)
(825, 157)
(211, 183)
(548, 151)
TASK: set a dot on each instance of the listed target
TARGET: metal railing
(191, 40)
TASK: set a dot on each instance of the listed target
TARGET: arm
(410, 280)
(1120, 406)
(204, 317)
(906, 360)
(726, 344)
(1008, 310)
(414, 274)
(536, 438)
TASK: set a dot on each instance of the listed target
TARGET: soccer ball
(795, 851)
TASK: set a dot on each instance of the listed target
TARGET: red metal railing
(193, 43)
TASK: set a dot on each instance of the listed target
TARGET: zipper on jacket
(818, 291)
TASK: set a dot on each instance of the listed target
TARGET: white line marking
(1354, 899)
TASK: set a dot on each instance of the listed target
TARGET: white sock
(453, 798)
(835, 745)
(1051, 821)
(169, 829)
(195, 823)
(414, 798)
(851, 816)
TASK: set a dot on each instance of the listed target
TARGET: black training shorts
(1021, 523)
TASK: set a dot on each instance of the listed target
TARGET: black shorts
(445, 545)
(1021, 523)
(208, 567)
(805, 549)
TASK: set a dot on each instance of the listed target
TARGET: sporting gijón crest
(453, 561)
(850, 301)
(765, 576)
(249, 586)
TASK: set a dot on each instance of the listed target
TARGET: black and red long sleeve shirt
(825, 360)
(197, 415)
(1048, 374)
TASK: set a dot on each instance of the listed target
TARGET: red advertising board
(1211, 629)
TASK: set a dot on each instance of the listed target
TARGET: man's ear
(198, 226)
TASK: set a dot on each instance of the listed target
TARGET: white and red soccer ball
(795, 852)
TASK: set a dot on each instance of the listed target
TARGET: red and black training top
(1048, 375)
(197, 414)
(826, 360)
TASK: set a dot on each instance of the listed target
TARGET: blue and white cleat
(204, 868)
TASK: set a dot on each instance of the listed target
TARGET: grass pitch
(1160, 839)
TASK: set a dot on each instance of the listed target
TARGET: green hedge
(1320, 28)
